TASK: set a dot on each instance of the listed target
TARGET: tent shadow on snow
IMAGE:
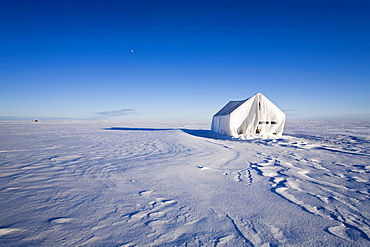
(194, 132)
(198, 133)
(137, 129)
(206, 134)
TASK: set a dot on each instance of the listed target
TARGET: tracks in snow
(331, 185)
(336, 194)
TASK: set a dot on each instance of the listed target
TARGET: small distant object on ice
(35, 120)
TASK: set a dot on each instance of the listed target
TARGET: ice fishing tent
(256, 115)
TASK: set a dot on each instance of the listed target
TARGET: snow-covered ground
(179, 184)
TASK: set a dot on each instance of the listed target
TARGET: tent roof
(230, 107)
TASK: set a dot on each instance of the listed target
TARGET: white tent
(256, 115)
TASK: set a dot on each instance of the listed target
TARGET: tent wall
(264, 117)
(221, 124)
(244, 119)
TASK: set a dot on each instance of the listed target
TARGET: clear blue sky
(74, 60)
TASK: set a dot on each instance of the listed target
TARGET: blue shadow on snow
(194, 132)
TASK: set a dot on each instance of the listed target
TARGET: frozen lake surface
(179, 184)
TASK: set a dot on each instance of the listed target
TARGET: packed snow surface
(180, 184)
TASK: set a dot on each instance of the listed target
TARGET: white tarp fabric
(256, 115)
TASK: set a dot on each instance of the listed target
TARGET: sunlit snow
(179, 184)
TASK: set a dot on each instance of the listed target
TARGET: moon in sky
(132, 50)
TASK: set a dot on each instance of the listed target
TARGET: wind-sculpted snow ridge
(180, 184)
